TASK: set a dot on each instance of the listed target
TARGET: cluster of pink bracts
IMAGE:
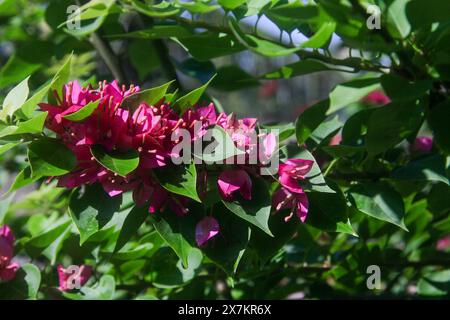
(7, 267)
(148, 130)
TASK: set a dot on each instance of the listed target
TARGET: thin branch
(166, 64)
(110, 59)
(355, 63)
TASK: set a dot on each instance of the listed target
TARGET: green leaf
(392, 123)
(398, 24)
(29, 106)
(326, 130)
(95, 12)
(321, 37)
(379, 201)
(266, 247)
(255, 211)
(138, 252)
(309, 120)
(434, 284)
(429, 168)
(35, 245)
(163, 9)
(157, 32)
(92, 209)
(230, 78)
(227, 249)
(423, 13)
(104, 290)
(33, 279)
(14, 99)
(198, 7)
(15, 70)
(261, 46)
(4, 206)
(438, 120)
(351, 91)
(34, 125)
(171, 229)
(314, 180)
(299, 68)
(50, 157)
(61, 77)
(329, 211)
(118, 162)
(398, 88)
(25, 285)
(206, 46)
(189, 100)
(131, 225)
(256, 6)
(83, 113)
(8, 146)
(343, 151)
(231, 4)
(295, 11)
(150, 96)
(179, 179)
(171, 273)
(23, 179)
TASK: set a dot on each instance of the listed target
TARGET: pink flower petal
(206, 229)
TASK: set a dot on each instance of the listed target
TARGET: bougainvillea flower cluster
(7, 267)
(148, 130)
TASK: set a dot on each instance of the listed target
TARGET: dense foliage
(361, 193)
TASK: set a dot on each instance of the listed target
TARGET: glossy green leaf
(189, 100)
(230, 78)
(379, 201)
(206, 46)
(83, 113)
(150, 96)
(309, 120)
(7, 146)
(62, 77)
(118, 162)
(172, 233)
(50, 157)
(91, 209)
(351, 91)
(15, 70)
(255, 211)
(31, 104)
(258, 45)
(161, 10)
(314, 180)
(23, 179)
(179, 179)
(171, 273)
(428, 168)
(434, 284)
(131, 224)
(321, 37)
(14, 99)
(392, 123)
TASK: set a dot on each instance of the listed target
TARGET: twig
(166, 64)
(106, 53)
